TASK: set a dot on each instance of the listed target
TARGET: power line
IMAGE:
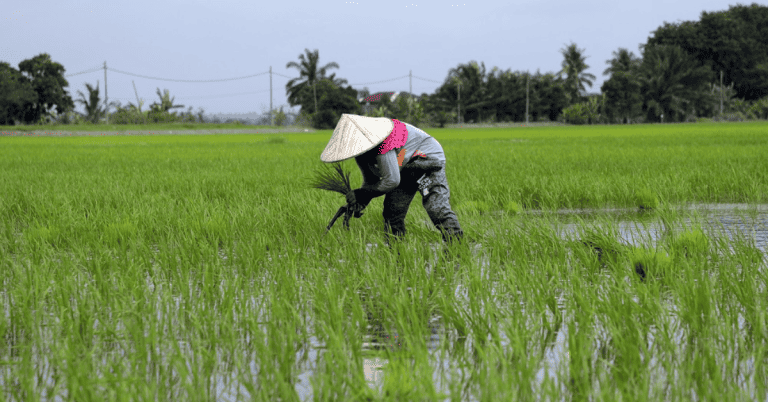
(365, 83)
(84, 72)
(378, 82)
(236, 78)
(169, 79)
(284, 75)
(231, 79)
(212, 96)
(424, 79)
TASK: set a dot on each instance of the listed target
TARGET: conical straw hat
(355, 135)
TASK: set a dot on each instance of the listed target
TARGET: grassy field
(195, 268)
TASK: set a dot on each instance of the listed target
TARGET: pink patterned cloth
(395, 139)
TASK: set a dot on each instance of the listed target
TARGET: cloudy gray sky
(371, 40)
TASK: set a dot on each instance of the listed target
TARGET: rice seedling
(336, 181)
(194, 268)
(513, 208)
(646, 200)
(690, 243)
(474, 207)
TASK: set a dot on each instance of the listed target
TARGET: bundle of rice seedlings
(332, 179)
(337, 180)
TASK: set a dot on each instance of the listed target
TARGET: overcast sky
(371, 40)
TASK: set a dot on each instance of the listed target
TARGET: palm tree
(622, 89)
(471, 98)
(309, 74)
(623, 61)
(506, 94)
(671, 81)
(574, 66)
(473, 84)
(92, 109)
(166, 103)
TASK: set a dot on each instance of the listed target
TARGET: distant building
(371, 102)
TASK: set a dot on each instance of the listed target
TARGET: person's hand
(351, 200)
(356, 210)
(357, 200)
(420, 165)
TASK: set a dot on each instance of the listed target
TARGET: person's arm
(364, 162)
(377, 183)
(388, 174)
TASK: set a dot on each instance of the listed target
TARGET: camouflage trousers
(435, 199)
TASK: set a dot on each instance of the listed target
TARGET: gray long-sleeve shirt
(382, 172)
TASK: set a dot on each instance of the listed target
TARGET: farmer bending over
(396, 159)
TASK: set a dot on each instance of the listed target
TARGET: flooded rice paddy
(535, 337)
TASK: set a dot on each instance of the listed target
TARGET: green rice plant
(646, 199)
(542, 307)
(513, 208)
(689, 243)
(603, 244)
(119, 232)
(650, 264)
(40, 235)
(275, 140)
(474, 207)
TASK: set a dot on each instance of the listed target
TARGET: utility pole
(271, 113)
(721, 93)
(528, 78)
(314, 91)
(459, 104)
(410, 92)
(138, 102)
(106, 99)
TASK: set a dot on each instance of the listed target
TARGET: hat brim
(355, 135)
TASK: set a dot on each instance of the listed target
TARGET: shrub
(304, 119)
(158, 116)
(759, 110)
(325, 119)
(70, 118)
(734, 116)
(440, 118)
(589, 112)
(575, 114)
(128, 116)
(279, 116)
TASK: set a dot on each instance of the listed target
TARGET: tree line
(716, 67)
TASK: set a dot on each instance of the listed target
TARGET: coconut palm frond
(332, 179)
